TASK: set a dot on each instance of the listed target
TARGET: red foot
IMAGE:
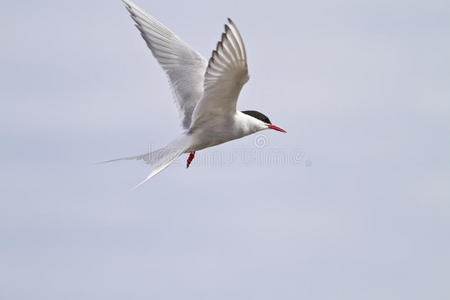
(191, 157)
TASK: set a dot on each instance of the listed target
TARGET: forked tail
(161, 158)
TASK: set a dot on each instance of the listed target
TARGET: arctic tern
(205, 92)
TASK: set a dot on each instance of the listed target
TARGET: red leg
(191, 157)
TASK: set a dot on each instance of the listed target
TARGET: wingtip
(129, 5)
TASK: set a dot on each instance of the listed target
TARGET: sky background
(352, 203)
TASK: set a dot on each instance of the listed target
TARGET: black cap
(257, 115)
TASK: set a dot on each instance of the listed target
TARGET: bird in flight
(205, 92)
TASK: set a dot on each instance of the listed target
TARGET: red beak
(275, 127)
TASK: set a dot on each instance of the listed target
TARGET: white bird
(205, 92)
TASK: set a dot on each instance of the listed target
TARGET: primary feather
(183, 65)
(226, 74)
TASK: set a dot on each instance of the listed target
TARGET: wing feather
(225, 75)
(183, 65)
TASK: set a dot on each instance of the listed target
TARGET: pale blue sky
(352, 203)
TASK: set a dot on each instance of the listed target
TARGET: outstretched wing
(184, 66)
(225, 75)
